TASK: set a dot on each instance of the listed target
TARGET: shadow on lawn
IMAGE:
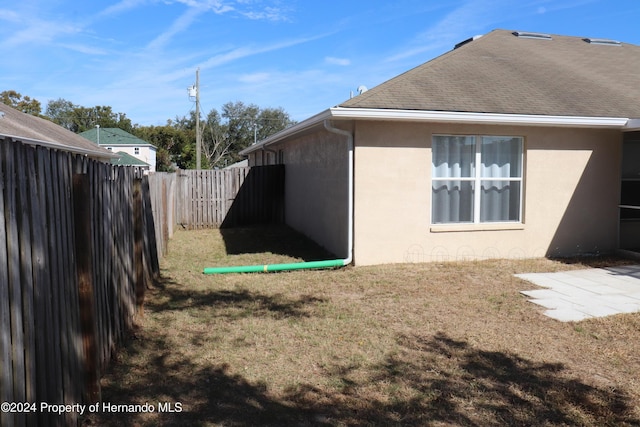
(425, 380)
(233, 304)
(275, 239)
(431, 379)
(439, 379)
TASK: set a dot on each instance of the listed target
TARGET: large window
(476, 179)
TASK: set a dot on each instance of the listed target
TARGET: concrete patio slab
(571, 296)
(566, 315)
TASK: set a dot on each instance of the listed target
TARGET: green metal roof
(127, 159)
(113, 137)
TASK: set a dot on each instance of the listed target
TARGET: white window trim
(477, 180)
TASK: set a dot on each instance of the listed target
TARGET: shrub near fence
(77, 258)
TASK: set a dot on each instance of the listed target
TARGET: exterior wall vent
(469, 40)
(528, 35)
(605, 42)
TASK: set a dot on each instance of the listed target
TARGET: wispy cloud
(246, 51)
(179, 25)
(254, 78)
(9, 16)
(454, 27)
(268, 14)
(337, 61)
(122, 6)
(467, 20)
(255, 10)
(216, 6)
(84, 49)
(196, 8)
(37, 31)
(472, 17)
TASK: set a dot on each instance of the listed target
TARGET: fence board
(41, 278)
(219, 198)
(6, 370)
(15, 292)
(26, 278)
(82, 216)
(58, 325)
(41, 348)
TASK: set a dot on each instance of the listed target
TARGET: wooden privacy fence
(217, 198)
(73, 271)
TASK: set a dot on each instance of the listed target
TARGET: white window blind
(476, 179)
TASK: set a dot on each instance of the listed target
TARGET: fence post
(84, 271)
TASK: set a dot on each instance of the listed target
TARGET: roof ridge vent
(606, 42)
(529, 35)
(469, 40)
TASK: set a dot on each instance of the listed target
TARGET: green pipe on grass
(275, 267)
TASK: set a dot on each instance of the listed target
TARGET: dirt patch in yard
(415, 344)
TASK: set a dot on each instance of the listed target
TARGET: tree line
(224, 133)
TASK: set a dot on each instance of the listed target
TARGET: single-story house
(26, 128)
(118, 140)
(511, 145)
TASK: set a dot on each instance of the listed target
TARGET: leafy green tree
(272, 120)
(78, 119)
(239, 125)
(173, 143)
(85, 118)
(24, 104)
(60, 111)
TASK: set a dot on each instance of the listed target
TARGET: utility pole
(198, 142)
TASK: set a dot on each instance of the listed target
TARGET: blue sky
(139, 56)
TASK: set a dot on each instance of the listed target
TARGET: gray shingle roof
(22, 126)
(503, 73)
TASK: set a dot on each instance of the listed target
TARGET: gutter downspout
(309, 264)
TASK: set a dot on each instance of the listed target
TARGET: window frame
(478, 179)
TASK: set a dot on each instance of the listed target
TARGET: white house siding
(147, 153)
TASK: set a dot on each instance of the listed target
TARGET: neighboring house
(512, 145)
(115, 139)
(18, 126)
(241, 164)
(126, 159)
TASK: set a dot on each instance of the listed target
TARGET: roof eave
(347, 113)
(632, 125)
(297, 128)
(478, 118)
(62, 147)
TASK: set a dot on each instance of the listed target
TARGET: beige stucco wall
(571, 193)
(316, 171)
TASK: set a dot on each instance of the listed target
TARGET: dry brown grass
(420, 344)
